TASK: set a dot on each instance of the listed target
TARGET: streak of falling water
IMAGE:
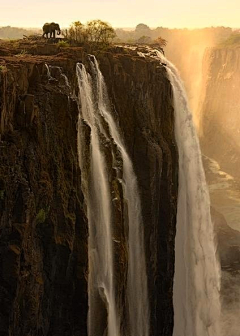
(137, 296)
(58, 71)
(97, 194)
(197, 273)
(137, 278)
(48, 71)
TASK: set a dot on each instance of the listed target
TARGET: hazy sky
(122, 13)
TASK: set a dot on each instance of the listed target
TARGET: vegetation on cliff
(95, 31)
(232, 41)
(9, 32)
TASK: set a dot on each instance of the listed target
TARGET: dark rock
(44, 261)
(228, 242)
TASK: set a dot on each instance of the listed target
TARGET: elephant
(51, 28)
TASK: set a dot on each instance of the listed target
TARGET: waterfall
(55, 74)
(197, 274)
(97, 194)
(94, 109)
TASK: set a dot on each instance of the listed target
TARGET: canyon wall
(43, 223)
(220, 134)
(220, 105)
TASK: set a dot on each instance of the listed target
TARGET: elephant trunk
(59, 32)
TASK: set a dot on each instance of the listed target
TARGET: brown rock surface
(43, 226)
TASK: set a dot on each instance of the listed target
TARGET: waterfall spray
(197, 273)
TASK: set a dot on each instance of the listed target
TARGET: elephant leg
(54, 34)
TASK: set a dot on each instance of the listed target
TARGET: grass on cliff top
(232, 41)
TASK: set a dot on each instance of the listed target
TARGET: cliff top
(20, 51)
(233, 41)
(24, 50)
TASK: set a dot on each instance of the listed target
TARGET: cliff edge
(43, 223)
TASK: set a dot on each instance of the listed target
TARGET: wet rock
(44, 229)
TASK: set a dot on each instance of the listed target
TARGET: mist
(208, 60)
(209, 63)
(230, 304)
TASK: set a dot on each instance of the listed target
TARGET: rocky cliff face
(220, 135)
(220, 101)
(44, 229)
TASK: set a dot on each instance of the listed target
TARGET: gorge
(217, 116)
(219, 136)
(76, 216)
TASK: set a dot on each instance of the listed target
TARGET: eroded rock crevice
(43, 222)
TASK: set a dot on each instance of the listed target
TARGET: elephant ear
(46, 27)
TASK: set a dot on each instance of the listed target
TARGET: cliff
(219, 121)
(43, 223)
(219, 112)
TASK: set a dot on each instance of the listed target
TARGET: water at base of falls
(105, 316)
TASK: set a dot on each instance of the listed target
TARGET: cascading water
(97, 194)
(55, 74)
(197, 274)
(94, 109)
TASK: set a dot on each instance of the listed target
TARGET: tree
(99, 31)
(144, 40)
(142, 26)
(160, 41)
(76, 32)
(142, 30)
(96, 31)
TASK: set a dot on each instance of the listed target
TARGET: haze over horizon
(122, 13)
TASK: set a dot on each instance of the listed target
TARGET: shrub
(3, 68)
(63, 44)
(22, 53)
(161, 42)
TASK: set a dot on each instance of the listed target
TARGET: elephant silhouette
(51, 28)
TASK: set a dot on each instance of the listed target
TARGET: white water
(97, 194)
(101, 269)
(58, 71)
(197, 273)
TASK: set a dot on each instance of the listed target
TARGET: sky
(122, 13)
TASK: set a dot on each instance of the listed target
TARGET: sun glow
(122, 13)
